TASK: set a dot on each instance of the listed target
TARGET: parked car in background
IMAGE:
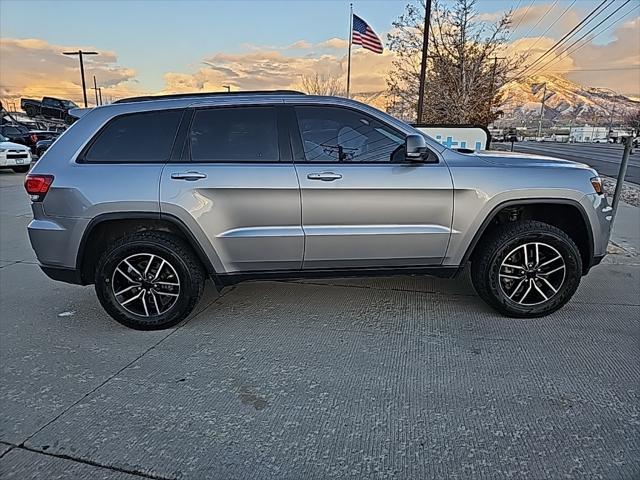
(18, 133)
(42, 146)
(14, 156)
(48, 107)
(285, 185)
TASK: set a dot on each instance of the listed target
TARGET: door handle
(189, 176)
(324, 176)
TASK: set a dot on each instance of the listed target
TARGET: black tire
(487, 268)
(180, 261)
(21, 169)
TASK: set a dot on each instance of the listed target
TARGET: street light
(228, 87)
(80, 53)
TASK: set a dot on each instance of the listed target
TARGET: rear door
(51, 107)
(235, 185)
(363, 205)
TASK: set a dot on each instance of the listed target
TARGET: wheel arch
(580, 233)
(107, 226)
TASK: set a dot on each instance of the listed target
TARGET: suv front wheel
(149, 280)
(526, 269)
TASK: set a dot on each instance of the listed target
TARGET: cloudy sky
(172, 46)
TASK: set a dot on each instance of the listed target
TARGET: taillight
(34, 138)
(37, 186)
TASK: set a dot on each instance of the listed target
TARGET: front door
(239, 189)
(363, 205)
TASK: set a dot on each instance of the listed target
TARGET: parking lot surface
(409, 377)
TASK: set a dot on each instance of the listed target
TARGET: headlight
(3, 149)
(596, 182)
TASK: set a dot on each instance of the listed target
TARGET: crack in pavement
(92, 463)
(111, 377)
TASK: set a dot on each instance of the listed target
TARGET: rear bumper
(55, 240)
(61, 274)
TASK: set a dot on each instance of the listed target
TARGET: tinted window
(139, 137)
(12, 131)
(338, 134)
(234, 134)
(50, 102)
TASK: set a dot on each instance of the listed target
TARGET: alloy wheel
(532, 273)
(145, 284)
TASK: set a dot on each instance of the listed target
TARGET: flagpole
(350, 39)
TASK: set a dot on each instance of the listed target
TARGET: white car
(14, 156)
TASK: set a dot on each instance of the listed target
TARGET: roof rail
(148, 98)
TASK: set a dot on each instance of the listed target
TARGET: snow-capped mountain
(566, 101)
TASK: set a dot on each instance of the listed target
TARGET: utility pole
(423, 65)
(80, 53)
(544, 97)
(95, 89)
(628, 143)
(493, 84)
(100, 94)
(613, 109)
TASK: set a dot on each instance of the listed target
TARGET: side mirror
(414, 148)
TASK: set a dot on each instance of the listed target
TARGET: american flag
(363, 35)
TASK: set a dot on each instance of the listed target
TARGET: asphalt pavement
(605, 158)
(407, 378)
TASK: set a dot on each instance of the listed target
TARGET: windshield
(69, 104)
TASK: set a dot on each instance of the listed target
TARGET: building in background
(588, 133)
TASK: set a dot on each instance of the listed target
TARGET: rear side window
(239, 134)
(137, 137)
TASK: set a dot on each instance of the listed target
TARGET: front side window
(333, 134)
(238, 134)
(50, 102)
(145, 137)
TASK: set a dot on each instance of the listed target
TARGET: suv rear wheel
(526, 269)
(149, 280)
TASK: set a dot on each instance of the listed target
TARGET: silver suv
(147, 197)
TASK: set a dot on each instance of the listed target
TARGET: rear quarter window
(144, 137)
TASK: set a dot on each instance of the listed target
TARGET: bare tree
(322, 85)
(632, 120)
(466, 65)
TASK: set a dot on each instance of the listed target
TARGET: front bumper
(601, 222)
(13, 160)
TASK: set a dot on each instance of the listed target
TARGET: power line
(541, 18)
(603, 69)
(559, 55)
(550, 26)
(579, 26)
(521, 19)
